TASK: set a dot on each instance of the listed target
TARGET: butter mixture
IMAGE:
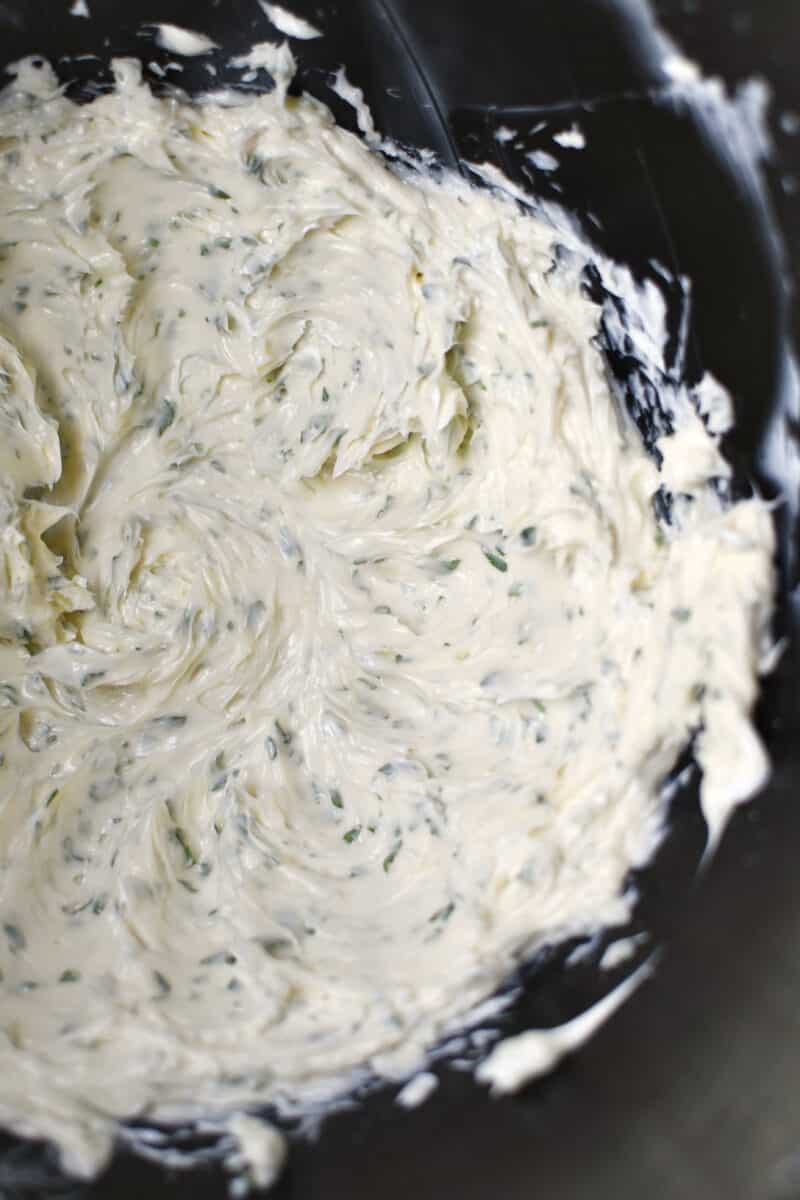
(343, 655)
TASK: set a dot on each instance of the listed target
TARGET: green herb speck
(496, 560)
(275, 947)
(166, 416)
(163, 984)
(391, 856)
(16, 938)
(284, 734)
(188, 853)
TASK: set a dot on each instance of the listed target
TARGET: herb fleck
(163, 984)
(496, 560)
(188, 853)
(165, 417)
(16, 938)
(391, 856)
(275, 947)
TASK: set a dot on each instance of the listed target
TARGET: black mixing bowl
(692, 1090)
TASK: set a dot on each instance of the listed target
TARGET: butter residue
(185, 42)
(418, 1089)
(260, 1155)
(288, 23)
(517, 1061)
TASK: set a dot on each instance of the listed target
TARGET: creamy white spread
(343, 656)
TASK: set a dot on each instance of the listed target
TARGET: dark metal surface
(692, 1090)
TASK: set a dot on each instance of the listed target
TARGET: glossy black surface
(692, 1090)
